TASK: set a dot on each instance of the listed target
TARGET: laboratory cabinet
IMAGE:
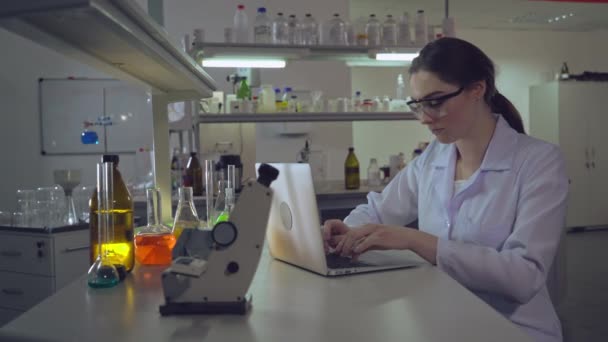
(573, 115)
(35, 263)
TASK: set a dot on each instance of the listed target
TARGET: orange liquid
(154, 249)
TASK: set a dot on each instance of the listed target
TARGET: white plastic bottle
(262, 29)
(310, 30)
(374, 31)
(240, 26)
(337, 31)
(280, 30)
(357, 102)
(400, 94)
(293, 30)
(420, 38)
(404, 36)
(389, 31)
(373, 173)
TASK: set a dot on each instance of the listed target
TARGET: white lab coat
(499, 234)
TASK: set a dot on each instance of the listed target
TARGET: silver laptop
(294, 230)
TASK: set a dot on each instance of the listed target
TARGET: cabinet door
(598, 132)
(71, 256)
(7, 315)
(22, 291)
(25, 253)
(574, 143)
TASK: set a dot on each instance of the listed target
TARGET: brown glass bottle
(120, 248)
(351, 170)
(193, 176)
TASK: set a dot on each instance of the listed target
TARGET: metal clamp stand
(212, 270)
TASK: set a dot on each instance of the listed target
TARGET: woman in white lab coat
(490, 201)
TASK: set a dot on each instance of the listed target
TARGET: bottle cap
(308, 15)
(262, 10)
(110, 158)
(241, 7)
(351, 149)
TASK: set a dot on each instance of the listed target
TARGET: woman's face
(453, 114)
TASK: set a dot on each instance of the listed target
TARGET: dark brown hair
(459, 62)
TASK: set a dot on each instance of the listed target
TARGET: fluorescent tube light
(243, 63)
(402, 57)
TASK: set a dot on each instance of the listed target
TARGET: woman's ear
(478, 89)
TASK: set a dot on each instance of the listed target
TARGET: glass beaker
(103, 273)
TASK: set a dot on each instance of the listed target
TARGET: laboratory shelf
(303, 117)
(353, 55)
(114, 36)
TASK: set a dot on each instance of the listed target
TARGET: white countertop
(289, 304)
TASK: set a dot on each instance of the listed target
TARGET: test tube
(230, 187)
(209, 166)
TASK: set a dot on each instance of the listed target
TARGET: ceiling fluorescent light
(243, 63)
(402, 57)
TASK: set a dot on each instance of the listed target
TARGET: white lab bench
(289, 304)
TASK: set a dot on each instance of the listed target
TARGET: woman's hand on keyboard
(372, 236)
(333, 232)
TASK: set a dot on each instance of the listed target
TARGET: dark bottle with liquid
(351, 170)
(193, 176)
(119, 247)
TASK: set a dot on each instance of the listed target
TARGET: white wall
(22, 166)
(523, 58)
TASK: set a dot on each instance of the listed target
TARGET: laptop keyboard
(336, 261)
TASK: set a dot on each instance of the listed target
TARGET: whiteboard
(65, 104)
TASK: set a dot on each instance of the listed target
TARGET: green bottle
(351, 170)
(244, 92)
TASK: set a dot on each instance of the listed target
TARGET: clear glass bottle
(240, 27)
(400, 90)
(373, 173)
(360, 32)
(154, 242)
(389, 31)
(337, 31)
(351, 170)
(292, 104)
(420, 29)
(119, 246)
(310, 30)
(293, 30)
(374, 31)
(404, 36)
(280, 29)
(196, 50)
(185, 215)
(262, 29)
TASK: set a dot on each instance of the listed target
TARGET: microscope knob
(224, 234)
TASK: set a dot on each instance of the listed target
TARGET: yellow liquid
(120, 249)
(179, 227)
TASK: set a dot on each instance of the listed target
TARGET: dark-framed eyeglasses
(431, 106)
